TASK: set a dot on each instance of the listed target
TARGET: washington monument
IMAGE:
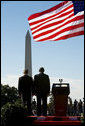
(28, 60)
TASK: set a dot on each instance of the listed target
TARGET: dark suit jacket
(25, 84)
(41, 84)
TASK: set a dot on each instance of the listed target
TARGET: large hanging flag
(62, 21)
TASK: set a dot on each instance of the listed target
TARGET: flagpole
(28, 60)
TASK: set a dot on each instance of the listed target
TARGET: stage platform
(54, 120)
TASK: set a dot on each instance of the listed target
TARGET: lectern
(60, 93)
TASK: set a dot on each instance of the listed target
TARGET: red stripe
(65, 14)
(41, 20)
(65, 37)
(71, 35)
(47, 26)
(63, 30)
(57, 123)
(51, 24)
(47, 11)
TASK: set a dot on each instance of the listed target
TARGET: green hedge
(13, 114)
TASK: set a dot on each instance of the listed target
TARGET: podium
(60, 93)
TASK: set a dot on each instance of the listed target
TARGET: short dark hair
(26, 71)
(41, 69)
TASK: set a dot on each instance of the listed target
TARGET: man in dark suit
(25, 85)
(42, 89)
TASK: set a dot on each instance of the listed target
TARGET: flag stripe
(70, 7)
(40, 15)
(70, 35)
(53, 19)
(54, 26)
(59, 23)
(67, 33)
(52, 35)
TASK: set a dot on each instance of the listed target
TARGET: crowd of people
(75, 108)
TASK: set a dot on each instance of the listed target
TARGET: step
(53, 120)
(51, 123)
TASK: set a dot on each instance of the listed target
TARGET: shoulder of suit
(25, 76)
(36, 75)
(29, 76)
(46, 75)
(41, 75)
(21, 77)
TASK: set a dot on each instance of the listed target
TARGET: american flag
(62, 21)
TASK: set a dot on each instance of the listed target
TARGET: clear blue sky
(61, 59)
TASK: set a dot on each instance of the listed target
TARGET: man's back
(42, 89)
(25, 84)
(42, 83)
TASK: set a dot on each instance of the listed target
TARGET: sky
(60, 59)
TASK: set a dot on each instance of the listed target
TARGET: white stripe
(50, 28)
(78, 14)
(66, 33)
(50, 13)
(52, 21)
(69, 32)
(65, 26)
(32, 26)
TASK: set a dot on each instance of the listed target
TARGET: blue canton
(78, 6)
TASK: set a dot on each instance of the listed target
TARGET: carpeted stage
(54, 120)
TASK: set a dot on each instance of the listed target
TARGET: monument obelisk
(28, 60)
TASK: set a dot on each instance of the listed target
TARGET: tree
(8, 94)
(13, 114)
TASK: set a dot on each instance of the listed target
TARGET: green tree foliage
(13, 114)
(12, 110)
(8, 94)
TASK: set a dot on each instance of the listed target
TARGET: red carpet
(51, 123)
(55, 120)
